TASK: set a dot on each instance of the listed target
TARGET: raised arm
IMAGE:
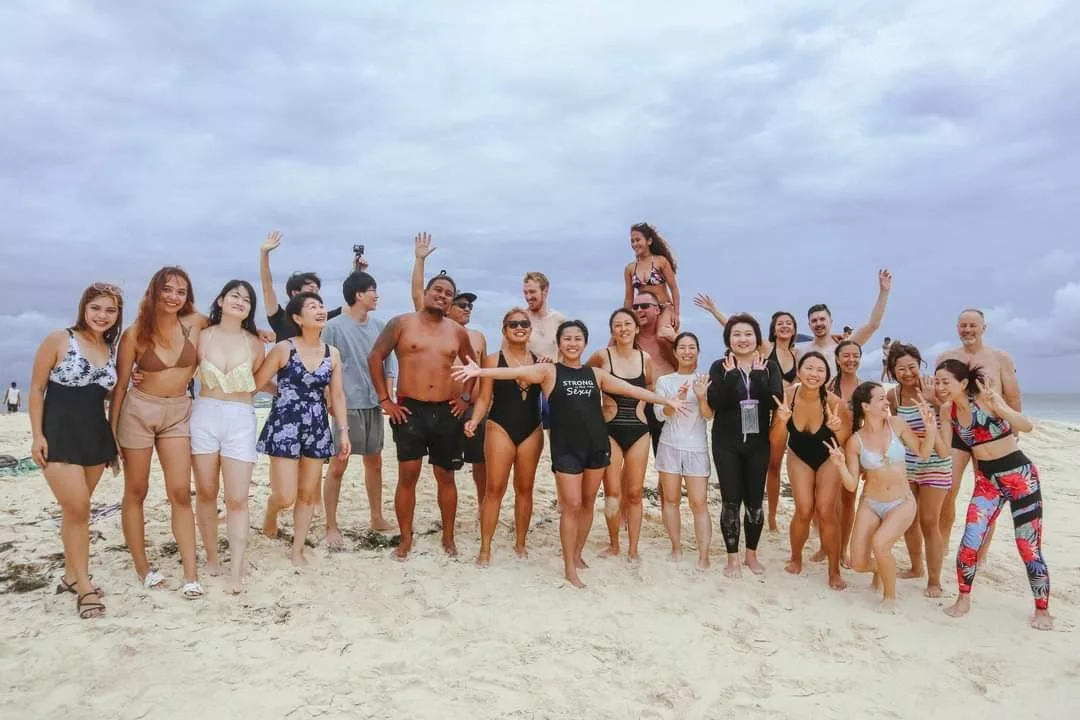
(706, 303)
(863, 334)
(270, 299)
(423, 248)
(992, 401)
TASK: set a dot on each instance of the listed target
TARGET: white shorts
(225, 427)
(693, 463)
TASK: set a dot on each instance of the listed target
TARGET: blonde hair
(537, 277)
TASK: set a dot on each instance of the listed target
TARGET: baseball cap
(471, 297)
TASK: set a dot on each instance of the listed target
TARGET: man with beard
(820, 318)
(426, 416)
(545, 322)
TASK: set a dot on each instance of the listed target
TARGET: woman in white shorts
(223, 422)
(682, 454)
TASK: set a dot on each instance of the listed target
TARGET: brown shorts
(146, 418)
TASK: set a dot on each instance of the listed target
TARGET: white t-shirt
(682, 432)
(12, 396)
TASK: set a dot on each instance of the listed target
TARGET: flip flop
(193, 590)
(89, 609)
(64, 587)
(152, 580)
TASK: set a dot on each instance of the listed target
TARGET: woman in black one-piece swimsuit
(74, 372)
(513, 437)
(580, 450)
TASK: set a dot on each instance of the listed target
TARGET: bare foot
(875, 581)
(732, 569)
(573, 579)
(213, 569)
(1042, 620)
(521, 552)
(299, 560)
(960, 607)
(845, 561)
(483, 559)
(609, 551)
(581, 564)
(837, 583)
(381, 525)
(819, 556)
(888, 606)
(675, 556)
(633, 557)
(773, 527)
(932, 591)
(911, 574)
(270, 527)
(450, 548)
(334, 541)
(236, 586)
(755, 567)
(794, 567)
(401, 552)
(703, 563)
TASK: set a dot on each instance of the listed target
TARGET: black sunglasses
(643, 306)
(514, 324)
(463, 304)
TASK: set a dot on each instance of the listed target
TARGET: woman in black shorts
(580, 449)
(513, 437)
(74, 372)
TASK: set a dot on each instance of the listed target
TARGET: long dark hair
(611, 322)
(772, 325)
(862, 394)
(974, 374)
(93, 292)
(657, 244)
(248, 323)
(822, 391)
(836, 353)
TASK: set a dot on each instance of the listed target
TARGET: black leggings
(741, 475)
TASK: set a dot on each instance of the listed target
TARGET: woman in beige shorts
(161, 347)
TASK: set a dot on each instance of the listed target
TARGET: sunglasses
(515, 324)
(643, 306)
(107, 288)
(463, 304)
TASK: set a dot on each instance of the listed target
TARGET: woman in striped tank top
(930, 479)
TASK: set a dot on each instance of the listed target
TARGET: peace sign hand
(926, 412)
(836, 453)
(988, 396)
(832, 419)
(729, 362)
(423, 245)
(782, 408)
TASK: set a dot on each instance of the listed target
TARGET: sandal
(64, 587)
(152, 580)
(88, 609)
(193, 590)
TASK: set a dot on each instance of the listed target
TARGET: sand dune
(358, 636)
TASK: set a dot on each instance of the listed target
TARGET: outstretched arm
(706, 303)
(614, 386)
(863, 334)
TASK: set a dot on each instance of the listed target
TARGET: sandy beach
(356, 635)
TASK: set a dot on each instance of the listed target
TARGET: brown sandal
(64, 587)
(89, 609)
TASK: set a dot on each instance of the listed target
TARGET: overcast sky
(786, 150)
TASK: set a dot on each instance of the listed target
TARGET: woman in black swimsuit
(628, 430)
(780, 349)
(74, 372)
(580, 449)
(808, 418)
(513, 436)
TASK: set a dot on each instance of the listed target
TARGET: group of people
(104, 395)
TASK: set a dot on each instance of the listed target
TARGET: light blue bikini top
(871, 460)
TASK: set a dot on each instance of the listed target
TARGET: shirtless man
(1000, 370)
(426, 418)
(821, 324)
(460, 312)
(545, 322)
(659, 342)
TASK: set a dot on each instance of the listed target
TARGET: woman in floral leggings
(980, 419)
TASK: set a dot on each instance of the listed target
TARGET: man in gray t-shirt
(354, 333)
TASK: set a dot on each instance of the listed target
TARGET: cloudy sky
(787, 150)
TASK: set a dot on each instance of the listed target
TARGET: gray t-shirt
(354, 341)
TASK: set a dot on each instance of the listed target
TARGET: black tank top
(577, 420)
(626, 407)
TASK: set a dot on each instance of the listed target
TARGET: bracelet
(385, 399)
(343, 428)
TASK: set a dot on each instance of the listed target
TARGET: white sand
(357, 635)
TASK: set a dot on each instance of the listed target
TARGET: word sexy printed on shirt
(578, 387)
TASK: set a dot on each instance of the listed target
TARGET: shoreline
(357, 635)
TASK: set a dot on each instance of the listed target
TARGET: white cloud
(1057, 333)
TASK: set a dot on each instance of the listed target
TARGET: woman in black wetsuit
(628, 430)
(807, 419)
(780, 349)
(513, 437)
(580, 450)
(74, 372)
(742, 390)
